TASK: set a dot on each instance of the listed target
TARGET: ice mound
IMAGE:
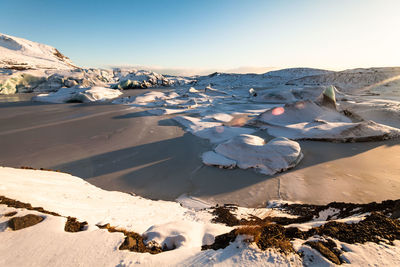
(76, 94)
(249, 151)
(307, 120)
(336, 131)
(301, 112)
(328, 98)
(216, 132)
(215, 159)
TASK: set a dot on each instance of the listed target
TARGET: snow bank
(76, 94)
(249, 151)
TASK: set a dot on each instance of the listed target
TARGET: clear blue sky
(212, 33)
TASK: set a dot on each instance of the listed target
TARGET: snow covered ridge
(21, 54)
(281, 234)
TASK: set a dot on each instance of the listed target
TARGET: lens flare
(278, 111)
(219, 129)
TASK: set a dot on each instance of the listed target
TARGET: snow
(307, 120)
(213, 131)
(19, 52)
(251, 151)
(76, 94)
(183, 234)
(182, 229)
(212, 158)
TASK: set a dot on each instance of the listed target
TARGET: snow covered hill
(21, 54)
(271, 78)
(353, 79)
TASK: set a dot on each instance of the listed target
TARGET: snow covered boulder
(76, 94)
(183, 234)
(249, 151)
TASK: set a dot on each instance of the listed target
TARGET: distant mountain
(21, 54)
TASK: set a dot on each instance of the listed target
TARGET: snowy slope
(21, 54)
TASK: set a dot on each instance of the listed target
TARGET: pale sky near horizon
(217, 35)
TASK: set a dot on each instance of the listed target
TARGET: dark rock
(72, 225)
(134, 242)
(324, 250)
(221, 241)
(18, 223)
(10, 214)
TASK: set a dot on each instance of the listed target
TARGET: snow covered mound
(249, 151)
(349, 80)
(214, 131)
(21, 54)
(77, 94)
(307, 120)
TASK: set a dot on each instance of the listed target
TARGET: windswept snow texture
(250, 151)
(82, 95)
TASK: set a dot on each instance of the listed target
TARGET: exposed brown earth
(18, 204)
(10, 214)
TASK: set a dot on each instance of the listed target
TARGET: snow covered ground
(183, 230)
